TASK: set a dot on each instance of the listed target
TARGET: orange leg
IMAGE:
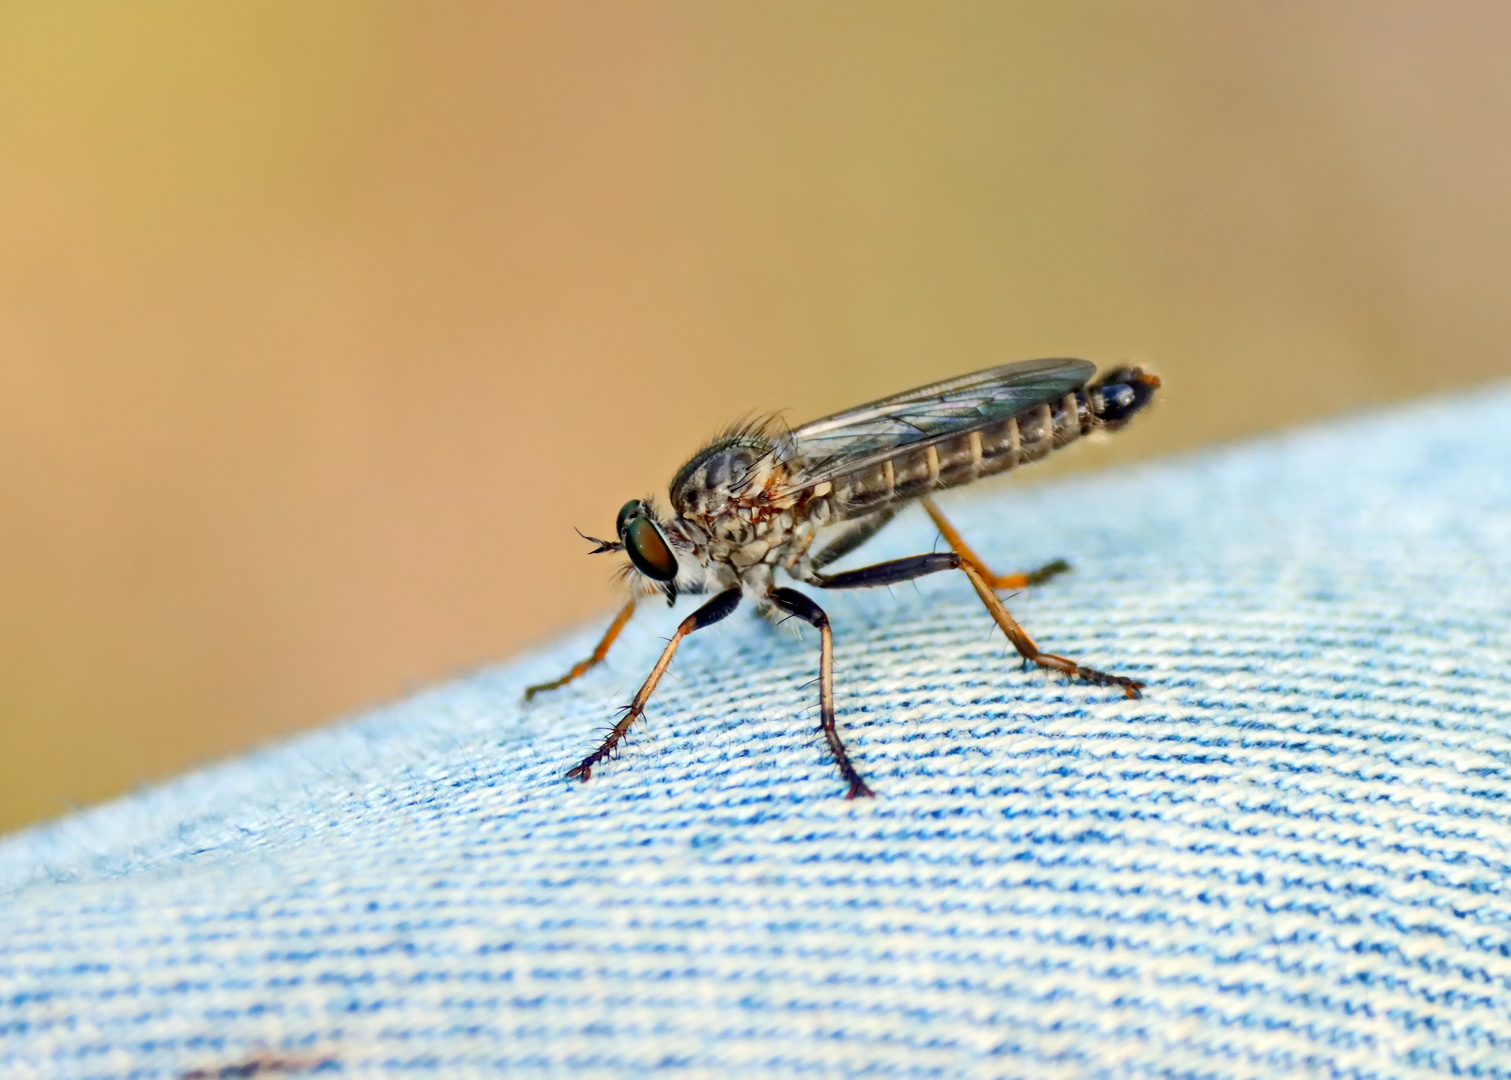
(597, 657)
(996, 581)
(1030, 651)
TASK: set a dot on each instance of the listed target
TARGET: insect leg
(1030, 651)
(997, 581)
(916, 566)
(795, 603)
(890, 573)
(707, 615)
(598, 654)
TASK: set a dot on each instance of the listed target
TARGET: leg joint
(801, 606)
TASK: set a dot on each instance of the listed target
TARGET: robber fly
(759, 498)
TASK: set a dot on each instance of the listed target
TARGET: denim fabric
(1289, 859)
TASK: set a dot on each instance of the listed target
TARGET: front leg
(710, 613)
(599, 653)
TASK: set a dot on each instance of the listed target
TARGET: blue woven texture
(1289, 858)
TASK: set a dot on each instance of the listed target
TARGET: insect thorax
(731, 469)
(723, 496)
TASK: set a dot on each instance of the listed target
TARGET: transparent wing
(868, 435)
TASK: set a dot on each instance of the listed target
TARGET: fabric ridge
(1290, 858)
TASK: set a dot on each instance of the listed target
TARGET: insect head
(641, 538)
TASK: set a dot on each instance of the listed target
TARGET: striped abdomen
(1104, 404)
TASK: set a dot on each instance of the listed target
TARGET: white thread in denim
(1289, 859)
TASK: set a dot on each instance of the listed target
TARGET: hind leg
(917, 566)
(996, 581)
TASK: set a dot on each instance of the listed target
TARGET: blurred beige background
(321, 325)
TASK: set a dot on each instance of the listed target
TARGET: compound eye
(627, 511)
(648, 549)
